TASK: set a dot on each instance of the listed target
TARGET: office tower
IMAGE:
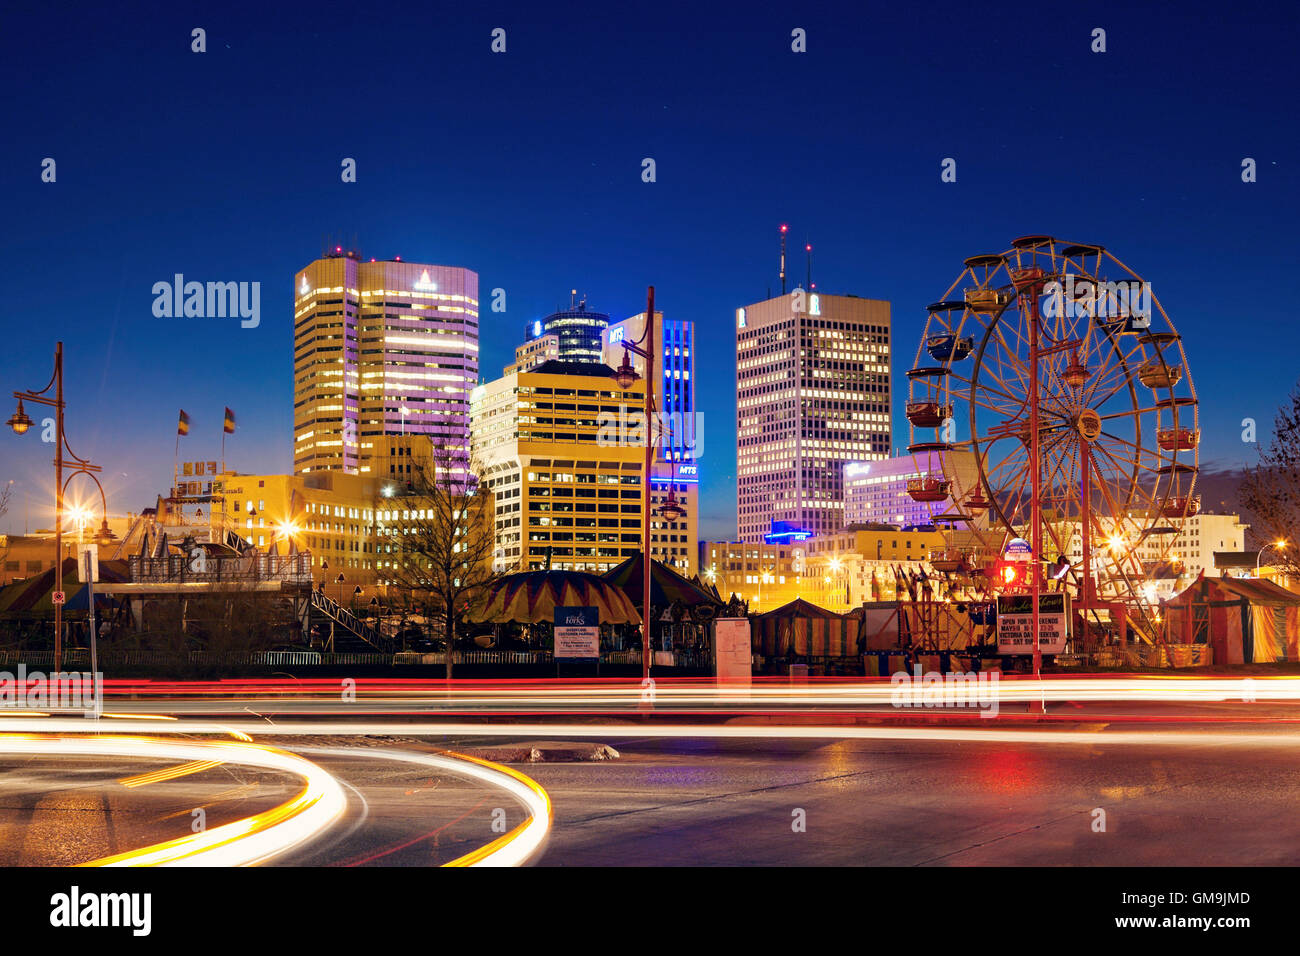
(558, 448)
(578, 330)
(535, 352)
(812, 393)
(680, 436)
(381, 348)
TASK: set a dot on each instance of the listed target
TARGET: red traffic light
(1010, 574)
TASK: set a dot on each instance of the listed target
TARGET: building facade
(765, 575)
(380, 348)
(554, 448)
(578, 330)
(875, 492)
(535, 352)
(812, 394)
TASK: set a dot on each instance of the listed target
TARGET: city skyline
(537, 212)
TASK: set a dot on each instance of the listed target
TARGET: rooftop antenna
(784, 229)
(573, 294)
(808, 249)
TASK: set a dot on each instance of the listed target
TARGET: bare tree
(442, 545)
(5, 494)
(1270, 491)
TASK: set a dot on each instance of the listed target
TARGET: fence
(295, 568)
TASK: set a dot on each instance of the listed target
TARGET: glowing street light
(20, 422)
(1279, 544)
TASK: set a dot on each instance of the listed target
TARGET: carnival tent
(806, 630)
(533, 596)
(1245, 621)
(36, 595)
(666, 585)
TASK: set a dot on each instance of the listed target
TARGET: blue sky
(525, 166)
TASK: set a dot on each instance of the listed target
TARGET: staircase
(372, 639)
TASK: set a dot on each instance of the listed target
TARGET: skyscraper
(381, 348)
(552, 445)
(579, 332)
(681, 439)
(812, 393)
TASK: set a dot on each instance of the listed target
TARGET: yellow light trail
(245, 842)
(169, 773)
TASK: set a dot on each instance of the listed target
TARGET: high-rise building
(381, 348)
(579, 331)
(875, 492)
(812, 393)
(679, 437)
(535, 352)
(564, 462)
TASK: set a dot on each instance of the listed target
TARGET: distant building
(556, 449)
(535, 352)
(844, 569)
(579, 332)
(380, 348)
(812, 394)
(765, 575)
(875, 492)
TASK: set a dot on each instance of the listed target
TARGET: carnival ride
(1051, 399)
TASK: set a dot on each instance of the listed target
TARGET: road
(1167, 794)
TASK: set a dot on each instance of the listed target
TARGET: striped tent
(532, 597)
(806, 630)
(1245, 621)
(36, 595)
(666, 585)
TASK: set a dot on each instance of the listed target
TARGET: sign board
(59, 597)
(88, 561)
(733, 653)
(577, 633)
(1018, 549)
(1016, 623)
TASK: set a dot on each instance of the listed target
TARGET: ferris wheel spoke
(1114, 361)
(1101, 393)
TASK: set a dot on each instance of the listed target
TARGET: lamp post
(1279, 544)
(625, 375)
(20, 423)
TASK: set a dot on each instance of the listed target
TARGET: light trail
(244, 842)
(169, 773)
(686, 696)
(263, 836)
(510, 849)
(706, 732)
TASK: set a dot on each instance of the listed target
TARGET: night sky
(526, 167)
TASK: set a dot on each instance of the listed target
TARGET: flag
(183, 426)
(229, 426)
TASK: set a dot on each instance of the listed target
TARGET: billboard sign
(1016, 623)
(577, 633)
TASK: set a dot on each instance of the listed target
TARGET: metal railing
(292, 568)
(342, 616)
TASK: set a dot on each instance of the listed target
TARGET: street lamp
(20, 422)
(626, 376)
(1280, 544)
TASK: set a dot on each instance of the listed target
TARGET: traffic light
(1009, 575)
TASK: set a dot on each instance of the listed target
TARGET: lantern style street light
(20, 422)
(671, 510)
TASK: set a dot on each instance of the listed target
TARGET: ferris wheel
(1064, 341)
